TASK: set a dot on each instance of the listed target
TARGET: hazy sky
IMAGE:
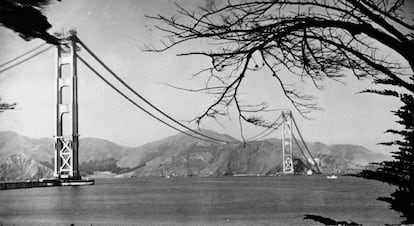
(114, 30)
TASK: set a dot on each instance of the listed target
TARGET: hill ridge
(183, 155)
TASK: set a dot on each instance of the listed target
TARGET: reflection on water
(192, 200)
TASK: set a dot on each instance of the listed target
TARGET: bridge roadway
(46, 182)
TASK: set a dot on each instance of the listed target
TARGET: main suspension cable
(301, 150)
(22, 55)
(256, 137)
(137, 105)
(303, 141)
(271, 131)
(144, 99)
(24, 60)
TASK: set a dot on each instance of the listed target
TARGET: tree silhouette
(329, 221)
(6, 106)
(400, 171)
(25, 18)
(314, 39)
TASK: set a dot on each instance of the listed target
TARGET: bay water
(280, 200)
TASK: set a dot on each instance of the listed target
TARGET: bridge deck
(46, 183)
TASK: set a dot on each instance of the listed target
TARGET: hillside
(182, 155)
(99, 154)
(21, 167)
(179, 155)
(37, 149)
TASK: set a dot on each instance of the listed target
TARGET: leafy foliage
(6, 106)
(329, 221)
(400, 171)
(25, 18)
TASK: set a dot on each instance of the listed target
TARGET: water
(200, 201)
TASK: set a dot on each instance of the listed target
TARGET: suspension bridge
(66, 146)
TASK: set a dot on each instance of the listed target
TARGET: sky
(116, 31)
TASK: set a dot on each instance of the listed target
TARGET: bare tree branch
(315, 39)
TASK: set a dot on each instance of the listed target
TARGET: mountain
(357, 154)
(182, 155)
(37, 149)
(99, 154)
(257, 157)
(344, 158)
(21, 166)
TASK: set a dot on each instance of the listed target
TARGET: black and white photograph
(207, 112)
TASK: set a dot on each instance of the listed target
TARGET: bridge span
(66, 146)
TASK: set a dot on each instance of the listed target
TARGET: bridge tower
(287, 142)
(66, 145)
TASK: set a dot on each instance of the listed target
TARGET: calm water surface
(200, 201)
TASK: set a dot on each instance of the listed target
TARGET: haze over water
(200, 201)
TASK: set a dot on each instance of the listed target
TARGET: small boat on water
(332, 177)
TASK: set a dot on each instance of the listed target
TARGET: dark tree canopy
(25, 18)
(6, 106)
(317, 39)
(399, 171)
